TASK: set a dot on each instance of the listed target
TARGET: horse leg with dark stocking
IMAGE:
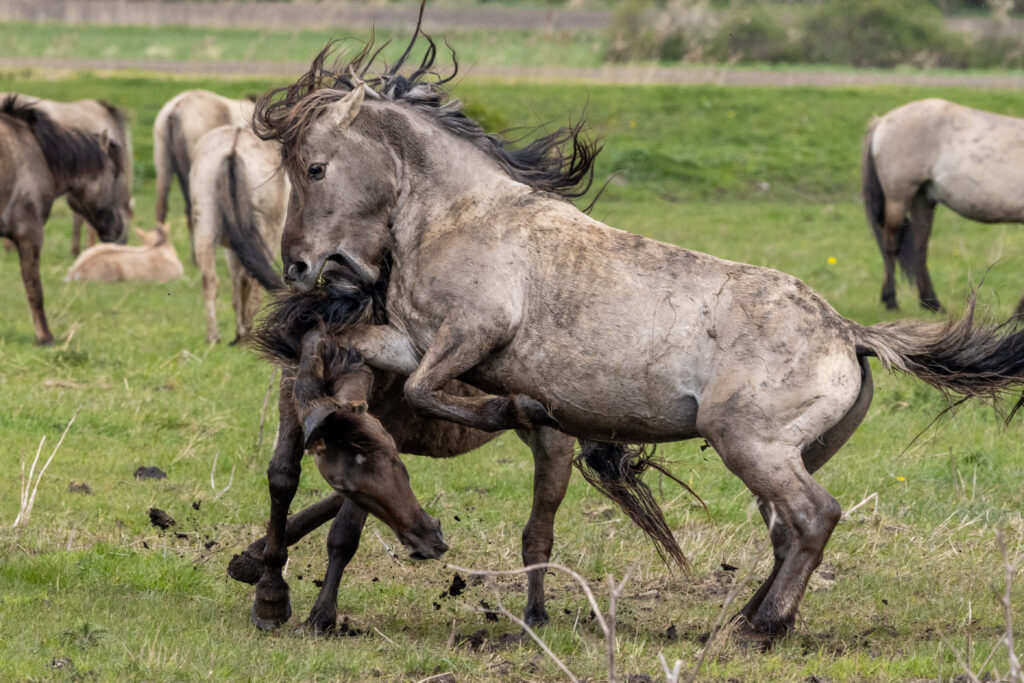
(889, 241)
(272, 606)
(922, 213)
(552, 467)
(247, 566)
(342, 543)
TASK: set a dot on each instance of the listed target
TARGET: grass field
(92, 590)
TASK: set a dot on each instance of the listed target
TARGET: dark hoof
(748, 636)
(245, 568)
(534, 412)
(535, 617)
(932, 305)
(268, 616)
(890, 304)
(318, 625)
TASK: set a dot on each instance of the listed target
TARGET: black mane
(561, 162)
(69, 152)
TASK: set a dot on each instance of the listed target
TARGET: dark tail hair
(617, 470)
(237, 218)
(874, 207)
(177, 153)
(962, 358)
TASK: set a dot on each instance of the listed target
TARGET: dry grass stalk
(607, 624)
(28, 500)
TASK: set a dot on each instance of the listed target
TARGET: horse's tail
(236, 217)
(617, 472)
(963, 358)
(171, 156)
(874, 206)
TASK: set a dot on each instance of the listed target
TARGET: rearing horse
(936, 152)
(570, 323)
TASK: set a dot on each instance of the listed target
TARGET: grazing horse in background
(284, 336)
(936, 152)
(155, 261)
(101, 118)
(569, 323)
(239, 198)
(42, 161)
(177, 128)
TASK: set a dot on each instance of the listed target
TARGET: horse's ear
(345, 110)
(140, 233)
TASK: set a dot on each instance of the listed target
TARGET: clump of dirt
(79, 487)
(455, 589)
(490, 614)
(160, 519)
(150, 473)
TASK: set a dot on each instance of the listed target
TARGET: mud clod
(150, 473)
(79, 487)
(160, 519)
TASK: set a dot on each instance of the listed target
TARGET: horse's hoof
(535, 617)
(932, 305)
(245, 568)
(269, 624)
(317, 626)
(534, 412)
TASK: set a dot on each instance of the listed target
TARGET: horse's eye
(317, 171)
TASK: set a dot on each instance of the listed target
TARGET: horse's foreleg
(552, 467)
(272, 606)
(29, 246)
(342, 543)
(76, 233)
(922, 213)
(247, 566)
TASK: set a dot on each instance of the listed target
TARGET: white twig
(26, 510)
(849, 512)
(384, 636)
(671, 676)
(213, 485)
(1009, 570)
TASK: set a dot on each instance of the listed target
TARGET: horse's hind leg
(247, 566)
(816, 454)
(76, 233)
(922, 213)
(889, 241)
(246, 295)
(342, 543)
(272, 606)
(552, 467)
(206, 259)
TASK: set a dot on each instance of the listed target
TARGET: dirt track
(605, 74)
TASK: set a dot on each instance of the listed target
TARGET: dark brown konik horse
(320, 382)
(570, 323)
(42, 160)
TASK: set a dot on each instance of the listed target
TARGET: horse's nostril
(297, 270)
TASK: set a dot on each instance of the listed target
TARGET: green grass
(492, 46)
(90, 589)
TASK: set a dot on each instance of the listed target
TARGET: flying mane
(69, 152)
(561, 162)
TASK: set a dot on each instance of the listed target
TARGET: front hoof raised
(532, 413)
(245, 567)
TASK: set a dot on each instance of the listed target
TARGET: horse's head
(354, 452)
(104, 198)
(345, 184)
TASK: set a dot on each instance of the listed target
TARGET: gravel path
(604, 74)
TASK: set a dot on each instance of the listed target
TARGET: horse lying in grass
(42, 161)
(155, 261)
(239, 198)
(179, 124)
(936, 152)
(302, 328)
(570, 323)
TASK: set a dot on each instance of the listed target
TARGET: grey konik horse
(179, 124)
(239, 198)
(42, 161)
(571, 323)
(936, 152)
